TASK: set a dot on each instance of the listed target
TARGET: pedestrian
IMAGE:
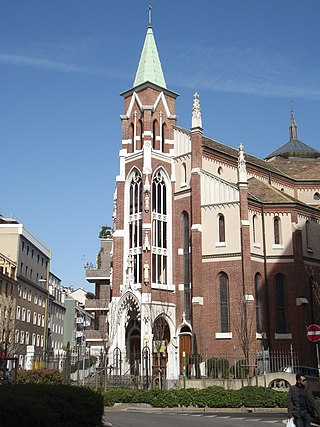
(301, 404)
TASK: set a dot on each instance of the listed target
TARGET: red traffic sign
(313, 333)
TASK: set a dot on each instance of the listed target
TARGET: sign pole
(318, 360)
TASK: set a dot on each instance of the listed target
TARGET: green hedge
(211, 397)
(41, 405)
(39, 376)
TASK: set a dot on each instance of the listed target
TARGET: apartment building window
(22, 246)
(39, 319)
(19, 290)
(38, 340)
(42, 340)
(22, 337)
(28, 248)
(38, 258)
(32, 253)
(27, 338)
(23, 314)
(35, 300)
(42, 320)
(21, 267)
(17, 336)
(40, 300)
(29, 296)
(18, 312)
(34, 318)
(29, 316)
(34, 339)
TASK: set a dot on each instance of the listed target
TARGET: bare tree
(244, 325)
(314, 281)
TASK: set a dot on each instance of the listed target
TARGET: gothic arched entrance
(133, 344)
(161, 339)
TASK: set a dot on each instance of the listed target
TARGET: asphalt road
(136, 418)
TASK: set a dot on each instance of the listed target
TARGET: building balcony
(94, 275)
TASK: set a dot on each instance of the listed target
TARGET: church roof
(298, 168)
(294, 147)
(266, 193)
(149, 68)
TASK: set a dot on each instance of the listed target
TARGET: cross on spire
(149, 10)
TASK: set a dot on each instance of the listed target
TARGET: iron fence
(147, 370)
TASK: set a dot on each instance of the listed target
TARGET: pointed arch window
(257, 288)
(222, 230)
(163, 136)
(277, 230)
(183, 174)
(133, 142)
(155, 133)
(254, 228)
(308, 235)
(186, 264)
(281, 324)
(224, 302)
(159, 229)
(135, 225)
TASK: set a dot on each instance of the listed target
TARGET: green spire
(149, 68)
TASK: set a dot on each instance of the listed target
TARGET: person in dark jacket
(301, 404)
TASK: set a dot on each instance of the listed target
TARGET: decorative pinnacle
(293, 130)
(196, 112)
(242, 170)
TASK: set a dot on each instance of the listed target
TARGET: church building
(215, 251)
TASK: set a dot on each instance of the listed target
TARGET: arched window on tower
(133, 142)
(163, 136)
(222, 231)
(281, 323)
(139, 135)
(258, 299)
(159, 229)
(135, 225)
(224, 302)
(186, 264)
(155, 133)
(277, 230)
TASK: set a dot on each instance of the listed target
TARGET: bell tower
(143, 207)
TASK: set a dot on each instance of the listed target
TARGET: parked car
(306, 371)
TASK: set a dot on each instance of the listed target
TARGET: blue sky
(64, 63)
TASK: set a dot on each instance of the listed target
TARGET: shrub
(211, 397)
(41, 405)
(39, 376)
